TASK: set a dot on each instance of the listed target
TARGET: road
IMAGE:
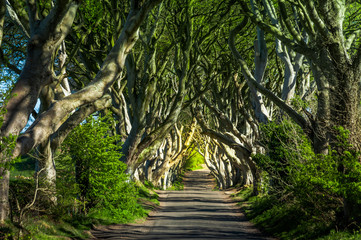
(195, 213)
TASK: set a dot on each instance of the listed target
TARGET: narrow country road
(195, 213)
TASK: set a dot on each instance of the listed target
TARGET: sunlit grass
(57, 223)
(24, 167)
(194, 162)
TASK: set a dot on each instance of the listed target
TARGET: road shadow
(197, 212)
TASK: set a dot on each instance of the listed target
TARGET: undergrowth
(285, 220)
(306, 195)
(92, 188)
(178, 184)
(57, 224)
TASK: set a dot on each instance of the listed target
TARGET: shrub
(287, 149)
(92, 175)
(335, 181)
(325, 190)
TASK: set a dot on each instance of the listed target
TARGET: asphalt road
(195, 213)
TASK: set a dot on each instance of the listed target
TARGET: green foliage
(7, 143)
(6, 232)
(342, 236)
(47, 228)
(278, 217)
(23, 168)
(77, 226)
(287, 148)
(21, 193)
(62, 223)
(335, 179)
(110, 196)
(298, 103)
(92, 11)
(178, 183)
(286, 220)
(145, 194)
(90, 172)
(194, 161)
(316, 193)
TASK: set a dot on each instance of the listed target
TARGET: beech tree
(202, 73)
(333, 52)
(334, 57)
(46, 35)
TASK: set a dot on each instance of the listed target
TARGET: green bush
(342, 236)
(335, 180)
(287, 149)
(91, 175)
(316, 193)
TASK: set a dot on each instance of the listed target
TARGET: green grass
(57, 223)
(64, 229)
(147, 197)
(178, 183)
(74, 226)
(333, 235)
(44, 228)
(24, 167)
(194, 162)
(285, 220)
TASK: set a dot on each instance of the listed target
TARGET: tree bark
(46, 36)
(4, 196)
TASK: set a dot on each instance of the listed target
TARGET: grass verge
(285, 220)
(52, 225)
(178, 184)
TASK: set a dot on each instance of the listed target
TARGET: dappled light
(197, 212)
(180, 119)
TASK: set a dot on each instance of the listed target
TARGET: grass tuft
(285, 219)
(60, 222)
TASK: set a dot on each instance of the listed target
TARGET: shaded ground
(195, 213)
